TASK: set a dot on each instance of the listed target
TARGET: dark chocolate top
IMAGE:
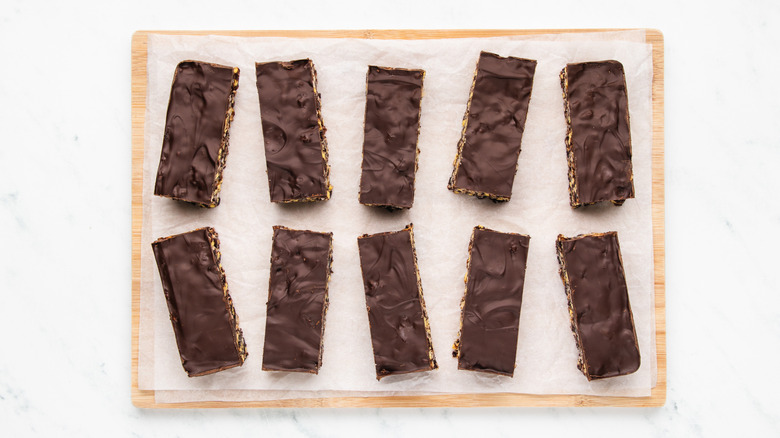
(396, 313)
(200, 98)
(291, 130)
(297, 300)
(192, 283)
(495, 122)
(494, 294)
(600, 302)
(390, 142)
(601, 139)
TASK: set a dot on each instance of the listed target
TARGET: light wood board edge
(146, 398)
(140, 398)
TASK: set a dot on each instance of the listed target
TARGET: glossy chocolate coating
(292, 131)
(207, 335)
(392, 124)
(495, 120)
(491, 307)
(597, 103)
(297, 300)
(396, 311)
(603, 323)
(194, 128)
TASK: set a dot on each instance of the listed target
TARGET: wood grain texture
(146, 399)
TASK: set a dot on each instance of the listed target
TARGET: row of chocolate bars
(209, 338)
(200, 109)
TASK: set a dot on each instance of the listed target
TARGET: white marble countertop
(65, 267)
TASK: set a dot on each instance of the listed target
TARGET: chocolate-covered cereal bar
(489, 147)
(296, 152)
(392, 124)
(601, 319)
(195, 142)
(598, 138)
(204, 321)
(490, 310)
(400, 333)
(297, 300)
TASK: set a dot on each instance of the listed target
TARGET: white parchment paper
(546, 356)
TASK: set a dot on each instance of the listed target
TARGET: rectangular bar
(493, 126)
(195, 143)
(400, 332)
(490, 309)
(297, 300)
(598, 138)
(202, 314)
(296, 151)
(592, 272)
(392, 126)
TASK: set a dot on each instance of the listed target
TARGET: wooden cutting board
(146, 398)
